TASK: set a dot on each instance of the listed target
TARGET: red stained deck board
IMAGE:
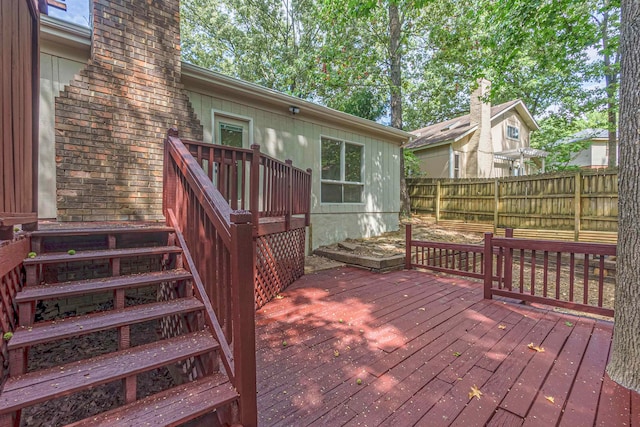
(417, 370)
(321, 389)
(419, 404)
(450, 405)
(561, 377)
(503, 418)
(614, 408)
(521, 395)
(497, 386)
(492, 359)
(317, 406)
(583, 400)
(472, 350)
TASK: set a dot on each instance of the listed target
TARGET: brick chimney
(112, 118)
(480, 165)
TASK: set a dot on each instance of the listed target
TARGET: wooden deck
(350, 347)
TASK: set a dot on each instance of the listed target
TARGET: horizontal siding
(284, 136)
(55, 73)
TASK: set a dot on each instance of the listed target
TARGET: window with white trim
(513, 132)
(341, 178)
(456, 165)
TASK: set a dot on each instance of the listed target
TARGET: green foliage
(555, 130)
(411, 164)
(7, 336)
(31, 255)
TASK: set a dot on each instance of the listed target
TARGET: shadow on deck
(350, 347)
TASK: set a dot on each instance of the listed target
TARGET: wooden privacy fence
(571, 275)
(580, 206)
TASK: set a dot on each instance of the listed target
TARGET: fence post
(243, 301)
(577, 205)
(496, 199)
(488, 265)
(254, 187)
(407, 246)
(437, 202)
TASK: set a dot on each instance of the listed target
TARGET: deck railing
(453, 258)
(12, 253)
(250, 180)
(571, 275)
(220, 252)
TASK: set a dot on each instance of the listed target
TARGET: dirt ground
(425, 228)
(392, 243)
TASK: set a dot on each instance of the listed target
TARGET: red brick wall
(111, 119)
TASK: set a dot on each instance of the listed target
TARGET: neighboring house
(592, 149)
(355, 162)
(486, 143)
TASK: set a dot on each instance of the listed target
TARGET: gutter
(273, 97)
(61, 32)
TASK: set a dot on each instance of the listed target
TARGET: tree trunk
(611, 79)
(395, 56)
(624, 367)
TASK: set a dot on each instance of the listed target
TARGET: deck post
(488, 265)
(169, 176)
(243, 303)
(407, 250)
(254, 187)
(508, 261)
(289, 195)
(307, 215)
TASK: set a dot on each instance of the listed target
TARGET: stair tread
(39, 386)
(80, 325)
(51, 258)
(171, 407)
(83, 287)
(86, 231)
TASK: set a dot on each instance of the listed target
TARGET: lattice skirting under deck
(279, 263)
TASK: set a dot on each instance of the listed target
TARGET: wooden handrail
(219, 248)
(210, 318)
(216, 206)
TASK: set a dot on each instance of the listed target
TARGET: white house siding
(285, 136)
(280, 135)
(55, 72)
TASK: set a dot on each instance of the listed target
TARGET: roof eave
(524, 113)
(274, 97)
(69, 34)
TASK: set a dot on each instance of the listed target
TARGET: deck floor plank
(417, 342)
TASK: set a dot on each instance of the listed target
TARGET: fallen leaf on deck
(422, 309)
(569, 324)
(279, 296)
(475, 392)
(536, 348)
(550, 399)
(457, 354)
(502, 327)
(336, 353)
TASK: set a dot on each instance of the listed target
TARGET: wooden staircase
(100, 268)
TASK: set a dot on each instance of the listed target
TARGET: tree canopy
(411, 63)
